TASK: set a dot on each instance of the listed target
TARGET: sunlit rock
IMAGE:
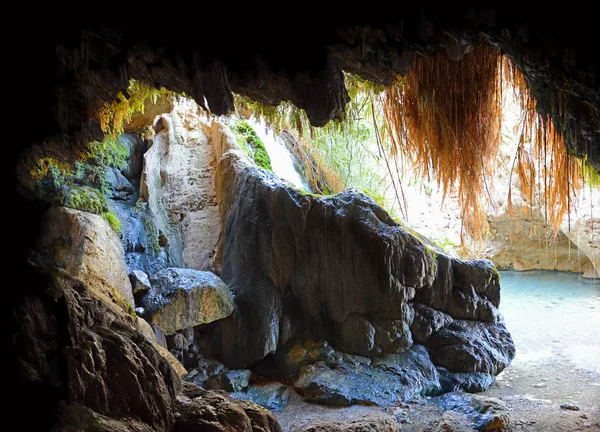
(183, 298)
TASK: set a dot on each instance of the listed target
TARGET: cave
(323, 293)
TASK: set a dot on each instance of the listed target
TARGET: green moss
(113, 221)
(377, 197)
(124, 304)
(445, 243)
(86, 199)
(494, 274)
(112, 152)
(249, 141)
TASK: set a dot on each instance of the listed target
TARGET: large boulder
(86, 246)
(183, 298)
(337, 268)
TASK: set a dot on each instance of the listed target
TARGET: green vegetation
(86, 199)
(113, 221)
(113, 115)
(589, 174)
(112, 152)
(251, 143)
(445, 243)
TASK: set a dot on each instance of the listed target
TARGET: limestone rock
(183, 298)
(380, 423)
(76, 418)
(451, 421)
(152, 109)
(464, 289)
(470, 382)
(357, 335)
(179, 183)
(207, 370)
(120, 187)
(471, 346)
(87, 248)
(201, 410)
(145, 329)
(362, 303)
(527, 248)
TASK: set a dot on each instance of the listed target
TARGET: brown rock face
(373, 424)
(199, 410)
(87, 248)
(108, 376)
(522, 243)
(99, 359)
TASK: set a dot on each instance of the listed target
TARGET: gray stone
(357, 335)
(472, 346)
(237, 380)
(382, 381)
(109, 367)
(273, 396)
(206, 369)
(376, 423)
(120, 187)
(375, 269)
(570, 407)
(183, 298)
(471, 382)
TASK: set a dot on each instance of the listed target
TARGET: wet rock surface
(469, 346)
(321, 374)
(273, 395)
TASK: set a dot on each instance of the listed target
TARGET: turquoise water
(553, 317)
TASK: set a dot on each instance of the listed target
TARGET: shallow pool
(553, 315)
